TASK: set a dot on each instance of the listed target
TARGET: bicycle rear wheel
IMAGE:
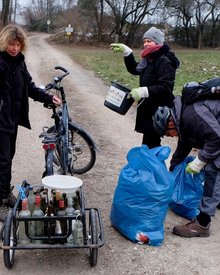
(81, 150)
(82, 154)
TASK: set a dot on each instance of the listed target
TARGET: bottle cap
(58, 195)
(37, 200)
(24, 203)
(61, 203)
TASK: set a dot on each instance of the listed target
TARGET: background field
(195, 65)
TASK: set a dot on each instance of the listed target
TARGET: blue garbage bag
(142, 195)
(187, 192)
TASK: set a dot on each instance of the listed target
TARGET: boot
(192, 229)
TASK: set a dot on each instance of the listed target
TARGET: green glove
(122, 48)
(190, 171)
(195, 166)
(139, 93)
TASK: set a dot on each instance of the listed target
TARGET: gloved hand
(195, 166)
(215, 90)
(122, 48)
(138, 93)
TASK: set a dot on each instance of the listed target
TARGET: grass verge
(195, 65)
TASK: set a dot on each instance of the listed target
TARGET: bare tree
(5, 11)
(213, 34)
(93, 12)
(128, 16)
(202, 12)
(193, 19)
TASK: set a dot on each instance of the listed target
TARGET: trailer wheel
(9, 240)
(93, 237)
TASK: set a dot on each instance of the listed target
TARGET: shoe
(10, 201)
(218, 206)
(3, 212)
(192, 229)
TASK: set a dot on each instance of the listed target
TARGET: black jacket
(158, 77)
(16, 86)
(199, 127)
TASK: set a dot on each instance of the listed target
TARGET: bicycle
(69, 149)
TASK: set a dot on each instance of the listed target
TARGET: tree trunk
(5, 11)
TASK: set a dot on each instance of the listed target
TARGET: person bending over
(197, 126)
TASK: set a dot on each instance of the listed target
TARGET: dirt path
(114, 136)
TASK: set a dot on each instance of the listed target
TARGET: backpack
(195, 91)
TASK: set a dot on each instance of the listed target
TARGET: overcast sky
(23, 2)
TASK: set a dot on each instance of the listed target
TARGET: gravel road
(114, 136)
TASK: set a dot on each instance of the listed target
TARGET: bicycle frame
(61, 127)
(65, 143)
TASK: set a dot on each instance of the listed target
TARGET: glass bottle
(77, 200)
(49, 225)
(62, 212)
(57, 198)
(65, 199)
(70, 211)
(44, 200)
(31, 199)
(37, 226)
(58, 230)
(24, 213)
(78, 230)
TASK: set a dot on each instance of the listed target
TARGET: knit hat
(155, 35)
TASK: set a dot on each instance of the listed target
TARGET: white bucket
(63, 183)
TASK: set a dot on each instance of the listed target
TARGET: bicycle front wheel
(81, 150)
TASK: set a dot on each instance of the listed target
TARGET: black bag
(195, 91)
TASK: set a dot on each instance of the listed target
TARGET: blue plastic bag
(142, 195)
(187, 192)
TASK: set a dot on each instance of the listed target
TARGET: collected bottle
(37, 226)
(44, 200)
(78, 229)
(70, 211)
(31, 199)
(77, 201)
(63, 223)
(24, 213)
(57, 197)
(49, 225)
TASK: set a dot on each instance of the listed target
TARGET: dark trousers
(151, 139)
(211, 193)
(7, 151)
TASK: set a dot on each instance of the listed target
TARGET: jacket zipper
(1, 104)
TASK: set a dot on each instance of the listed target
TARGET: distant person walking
(157, 70)
(16, 86)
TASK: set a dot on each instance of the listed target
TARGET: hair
(12, 33)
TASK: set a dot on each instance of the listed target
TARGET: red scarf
(149, 50)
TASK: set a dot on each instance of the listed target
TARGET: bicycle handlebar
(61, 68)
(57, 79)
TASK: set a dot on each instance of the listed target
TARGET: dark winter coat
(158, 77)
(16, 86)
(199, 127)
